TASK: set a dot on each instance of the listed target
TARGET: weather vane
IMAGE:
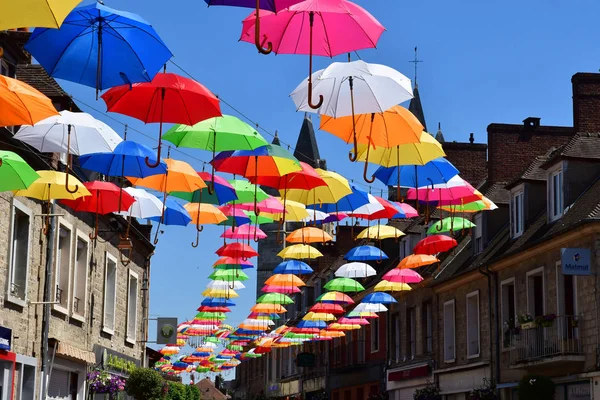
(416, 61)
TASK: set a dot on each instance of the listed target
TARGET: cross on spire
(416, 61)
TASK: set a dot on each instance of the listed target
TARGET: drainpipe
(493, 297)
(46, 301)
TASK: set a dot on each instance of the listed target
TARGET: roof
(439, 136)
(498, 193)
(36, 76)
(208, 391)
(534, 172)
(416, 107)
(307, 149)
(582, 146)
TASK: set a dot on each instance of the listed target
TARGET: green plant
(485, 392)
(536, 387)
(429, 392)
(144, 384)
(193, 393)
(177, 391)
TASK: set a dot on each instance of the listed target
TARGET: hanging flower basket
(101, 382)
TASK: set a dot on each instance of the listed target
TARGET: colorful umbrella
(40, 13)
(371, 307)
(365, 253)
(402, 275)
(204, 214)
(168, 98)
(327, 308)
(355, 270)
(284, 280)
(280, 289)
(344, 285)
(146, 205)
(275, 298)
(404, 210)
(100, 47)
(308, 235)
(238, 250)
(173, 213)
(386, 286)
(300, 251)
(21, 104)
(456, 191)
(270, 308)
(417, 260)
(15, 173)
(380, 298)
(336, 187)
(450, 224)
(435, 244)
(228, 275)
(295, 267)
(334, 298)
(232, 263)
(222, 191)
(472, 207)
(244, 232)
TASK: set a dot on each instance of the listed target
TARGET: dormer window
(517, 219)
(477, 235)
(555, 194)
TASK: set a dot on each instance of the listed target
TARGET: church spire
(415, 105)
(307, 149)
(439, 136)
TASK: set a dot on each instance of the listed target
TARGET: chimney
(586, 102)
(531, 123)
(471, 138)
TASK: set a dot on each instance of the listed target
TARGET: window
(535, 292)
(449, 332)
(5, 69)
(405, 249)
(395, 352)
(19, 252)
(411, 333)
(517, 219)
(473, 325)
(110, 294)
(508, 310)
(64, 253)
(374, 335)
(555, 195)
(477, 234)
(80, 276)
(132, 303)
(317, 287)
(427, 328)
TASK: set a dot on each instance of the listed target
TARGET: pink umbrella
(244, 232)
(341, 27)
(353, 321)
(408, 210)
(456, 192)
(280, 289)
(269, 205)
(402, 275)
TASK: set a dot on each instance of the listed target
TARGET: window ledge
(473, 356)
(108, 331)
(451, 361)
(60, 309)
(77, 317)
(130, 340)
(15, 300)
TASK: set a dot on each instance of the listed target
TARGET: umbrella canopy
(15, 173)
(51, 185)
(434, 172)
(336, 187)
(203, 214)
(223, 192)
(300, 251)
(227, 293)
(435, 244)
(217, 302)
(306, 178)
(379, 297)
(146, 205)
(180, 176)
(380, 232)
(106, 197)
(238, 250)
(280, 289)
(100, 47)
(40, 13)
(269, 160)
(309, 235)
(371, 307)
(344, 285)
(450, 224)
(294, 211)
(270, 308)
(334, 298)
(270, 205)
(295, 267)
(173, 214)
(232, 263)
(456, 191)
(21, 104)
(402, 275)
(404, 210)
(417, 260)
(350, 202)
(365, 253)
(245, 191)
(386, 286)
(327, 308)
(313, 316)
(472, 207)
(228, 275)
(284, 280)
(418, 153)
(70, 132)
(127, 159)
(355, 270)
(244, 232)
(275, 298)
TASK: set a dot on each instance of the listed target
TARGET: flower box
(528, 325)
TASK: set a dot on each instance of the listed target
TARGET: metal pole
(46, 300)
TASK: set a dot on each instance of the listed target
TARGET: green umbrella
(293, 335)
(210, 315)
(275, 298)
(261, 219)
(202, 369)
(235, 347)
(344, 285)
(473, 206)
(450, 224)
(252, 355)
(245, 191)
(15, 173)
(229, 275)
(211, 339)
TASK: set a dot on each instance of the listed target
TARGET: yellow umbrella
(268, 308)
(336, 188)
(51, 185)
(313, 316)
(37, 13)
(204, 214)
(386, 286)
(343, 327)
(380, 232)
(419, 153)
(299, 252)
(294, 212)
(226, 293)
(309, 235)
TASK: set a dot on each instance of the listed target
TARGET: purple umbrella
(269, 5)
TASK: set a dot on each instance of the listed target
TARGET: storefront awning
(66, 350)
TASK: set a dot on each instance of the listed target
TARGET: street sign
(166, 330)
(576, 261)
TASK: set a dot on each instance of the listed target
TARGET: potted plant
(536, 387)
(101, 382)
(526, 321)
(545, 321)
(485, 392)
(429, 392)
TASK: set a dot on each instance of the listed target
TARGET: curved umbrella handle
(155, 164)
(69, 162)
(257, 41)
(67, 184)
(352, 156)
(162, 102)
(211, 185)
(311, 19)
(368, 180)
(198, 230)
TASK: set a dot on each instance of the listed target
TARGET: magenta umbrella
(269, 205)
(244, 232)
(334, 27)
(405, 275)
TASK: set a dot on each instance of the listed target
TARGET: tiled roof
(36, 76)
(582, 145)
(534, 172)
(498, 193)
(208, 391)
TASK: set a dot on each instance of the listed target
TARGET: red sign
(409, 373)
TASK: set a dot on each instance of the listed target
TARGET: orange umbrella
(204, 214)
(21, 104)
(394, 127)
(331, 334)
(417, 260)
(309, 235)
(268, 308)
(284, 280)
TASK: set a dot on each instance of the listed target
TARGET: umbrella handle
(155, 164)
(69, 162)
(368, 150)
(352, 156)
(67, 184)
(257, 41)
(162, 102)
(311, 19)
(194, 245)
(211, 185)
(278, 236)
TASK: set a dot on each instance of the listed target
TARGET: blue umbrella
(350, 202)
(312, 324)
(100, 47)
(293, 267)
(379, 298)
(365, 253)
(127, 159)
(434, 172)
(217, 302)
(174, 214)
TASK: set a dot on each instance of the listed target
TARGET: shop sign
(575, 261)
(166, 330)
(417, 372)
(115, 362)
(5, 338)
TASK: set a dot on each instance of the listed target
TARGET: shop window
(473, 325)
(449, 332)
(411, 333)
(110, 294)
(63, 268)
(80, 276)
(132, 303)
(374, 335)
(427, 328)
(19, 253)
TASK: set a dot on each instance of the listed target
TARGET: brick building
(99, 300)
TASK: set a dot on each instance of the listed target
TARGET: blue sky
(484, 62)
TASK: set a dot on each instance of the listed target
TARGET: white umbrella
(355, 270)
(376, 88)
(370, 307)
(69, 132)
(225, 285)
(315, 215)
(371, 207)
(146, 205)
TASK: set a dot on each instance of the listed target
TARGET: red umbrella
(213, 309)
(236, 250)
(388, 211)
(435, 244)
(168, 98)
(106, 197)
(327, 308)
